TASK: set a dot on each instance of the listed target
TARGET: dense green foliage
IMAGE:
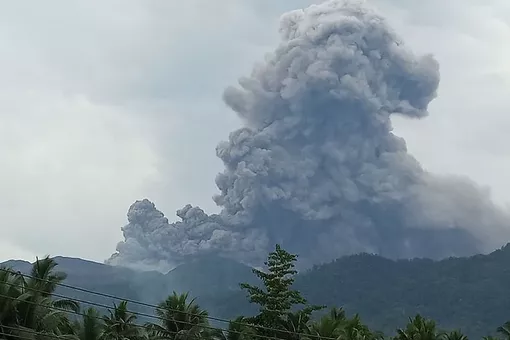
(467, 293)
(276, 298)
(30, 308)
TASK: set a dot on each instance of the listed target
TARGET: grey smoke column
(316, 167)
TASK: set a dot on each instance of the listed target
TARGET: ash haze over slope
(316, 167)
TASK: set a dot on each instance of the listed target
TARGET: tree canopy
(30, 309)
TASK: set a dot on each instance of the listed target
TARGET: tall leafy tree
(277, 298)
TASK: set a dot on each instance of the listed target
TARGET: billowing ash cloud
(316, 167)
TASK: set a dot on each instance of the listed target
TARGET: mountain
(19, 265)
(470, 293)
(202, 278)
(467, 293)
(99, 278)
(209, 276)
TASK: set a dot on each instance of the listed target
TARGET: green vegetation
(31, 309)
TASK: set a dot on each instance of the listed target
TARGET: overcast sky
(106, 102)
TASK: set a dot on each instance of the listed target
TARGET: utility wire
(101, 318)
(152, 306)
(96, 304)
(107, 295)
(30, 331)
(175, 321)
(16, 336)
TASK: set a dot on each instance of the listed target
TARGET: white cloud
(67, 166)
(9, 250)
(102, 103)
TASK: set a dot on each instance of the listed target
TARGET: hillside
(203, 277)
(470, 293)
(96, 277)
(209, 276)
(460, 292)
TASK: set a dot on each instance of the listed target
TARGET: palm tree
(48, 322)
(238, 329)
(490, 337)
(179, 318)
(505, 330)
(336, 325)
(91, 327)
(337, 314)
(354, 329)
(294, 325)
(11, 285)
(120, 324)
(419, 328)
(36, 305)
(455, 335)
(329, 326)
(30, 311)
(43, 276)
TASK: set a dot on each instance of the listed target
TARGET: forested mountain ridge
(467, 293)
(470, 293)
(200, 277)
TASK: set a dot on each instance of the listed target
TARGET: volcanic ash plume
(315, 166)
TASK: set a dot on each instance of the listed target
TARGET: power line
(134, 325)
(26, 338)
(96, 304)
(29, 331)
(152, 306)
(104, 294)
(99, 317)
(145, 327)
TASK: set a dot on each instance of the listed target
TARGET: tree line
(30, 309)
